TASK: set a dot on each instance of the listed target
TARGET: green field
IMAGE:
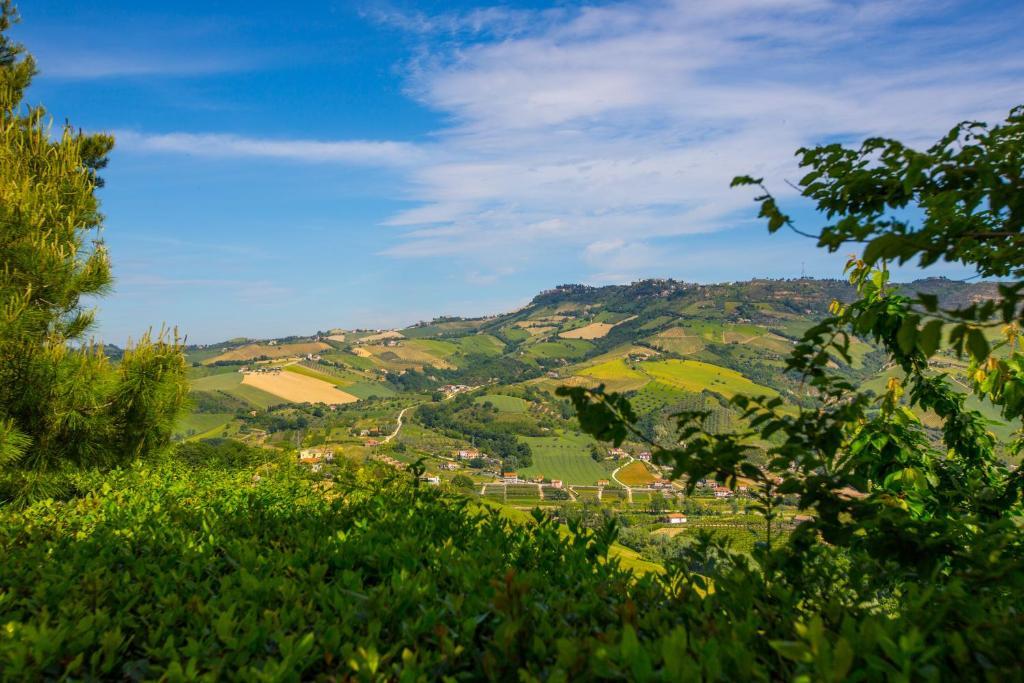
(564, 457)
(200, 371)
(617, 375)
(693, 375)
(655, 396)
(350, 359)
(506, 404)
(322, 376)
(433, 347)
(196, 424)
(570, 349)
(480, 344)
(231, 383)
(225, 381)
(370, 389)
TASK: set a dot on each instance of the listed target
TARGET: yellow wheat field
(297, 388)
(591, 331)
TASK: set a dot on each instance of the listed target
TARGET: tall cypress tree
(62, 402)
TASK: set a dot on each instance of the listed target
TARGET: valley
(479, 412)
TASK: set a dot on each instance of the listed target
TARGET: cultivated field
(570, 349)
(253, 351)
(655, 396)
(231, 383)
(617, 375)
(297, 388)
(692, 375)
(635, 474)
(591, 331)
(381, 336)
(563, 457)
(405, 356)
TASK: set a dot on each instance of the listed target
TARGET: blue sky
(284, 170)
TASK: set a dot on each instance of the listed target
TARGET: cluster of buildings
(316, 457)
(264, 369)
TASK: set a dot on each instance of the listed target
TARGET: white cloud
(631, 119)
(606, 128)
(233, 146)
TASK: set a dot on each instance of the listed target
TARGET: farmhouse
(602, 482)
(617, 452)
(556, 483)
(723, 492)
(467, 454)
(510, 477)
(675, 518)
(316, 455)
(645, 456)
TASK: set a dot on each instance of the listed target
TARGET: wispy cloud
(631, 118)
(605, 129)
(88, 65)
(234, 146)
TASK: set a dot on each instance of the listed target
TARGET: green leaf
(930, 337)
(907, 336)
(977, 344)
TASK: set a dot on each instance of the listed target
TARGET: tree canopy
(62, 402)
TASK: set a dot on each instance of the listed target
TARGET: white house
(675, 518)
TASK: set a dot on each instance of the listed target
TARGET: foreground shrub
(183, 571)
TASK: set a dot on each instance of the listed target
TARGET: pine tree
(62, 402)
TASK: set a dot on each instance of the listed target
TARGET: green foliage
(62, 405)
(463, 418)
(223, 574)
(919, 533)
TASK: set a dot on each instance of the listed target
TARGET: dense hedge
(245, 571)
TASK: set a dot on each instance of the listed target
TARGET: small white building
(556, 483)
(645, 456)
(675, 518)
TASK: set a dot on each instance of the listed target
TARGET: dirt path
(401, 418)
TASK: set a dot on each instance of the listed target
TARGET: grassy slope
(506, 404)
(692, 375)
(565, 457)
(198, 423)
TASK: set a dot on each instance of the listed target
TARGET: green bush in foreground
(234, 570)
